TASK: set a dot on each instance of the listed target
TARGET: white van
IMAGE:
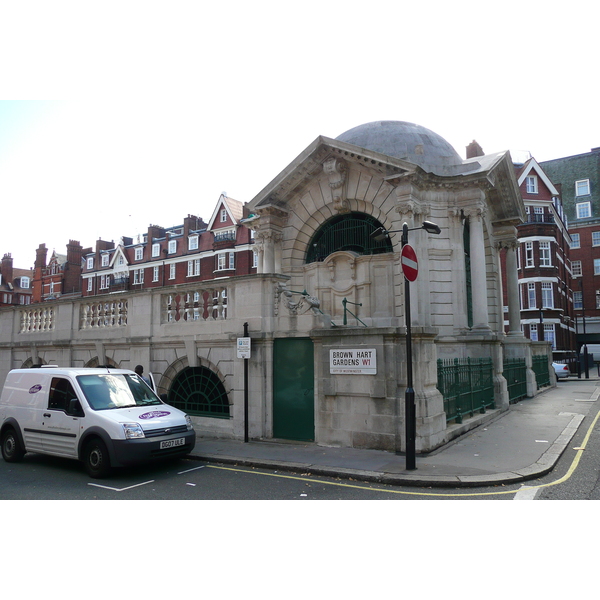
(103, 417)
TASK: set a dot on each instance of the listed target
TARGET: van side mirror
(75, 409)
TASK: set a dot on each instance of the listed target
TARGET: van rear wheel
(96, 459)
(11, 447)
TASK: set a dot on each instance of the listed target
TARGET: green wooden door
(293, 389)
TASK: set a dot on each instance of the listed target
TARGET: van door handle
(47, 415)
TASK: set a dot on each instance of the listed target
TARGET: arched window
(351, 232)
(199, 391)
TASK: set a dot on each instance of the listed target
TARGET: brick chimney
(40, 264)
(7, 268)
(474, 149)
(72, 272)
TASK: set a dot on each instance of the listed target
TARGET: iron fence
(540, 368)
(467, 386)
(515, 373)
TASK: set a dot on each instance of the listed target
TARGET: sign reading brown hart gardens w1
(353, 362)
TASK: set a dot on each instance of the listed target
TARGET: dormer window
(223, 215)
(531, 184)
(582, 187)
(193, 242)
(25, 283)
(105, 258)
(139, 253)
(90, 262)
(172, 246)
(155, 250)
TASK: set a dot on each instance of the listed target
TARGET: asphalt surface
(518, 444)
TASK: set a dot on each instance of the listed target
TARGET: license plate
(172, 443)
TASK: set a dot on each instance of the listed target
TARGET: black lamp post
(410, 414)
(585, 349)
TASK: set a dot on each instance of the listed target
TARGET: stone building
(326, 308)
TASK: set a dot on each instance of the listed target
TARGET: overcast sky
(132, 113)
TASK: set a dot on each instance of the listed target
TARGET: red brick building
(60, 276)
(543, 261)
(193, 251)
(15, 284)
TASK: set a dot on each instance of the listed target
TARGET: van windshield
(105, 392)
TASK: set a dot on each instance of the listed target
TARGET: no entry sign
(410, 266)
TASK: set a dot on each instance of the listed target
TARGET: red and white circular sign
(410, 266)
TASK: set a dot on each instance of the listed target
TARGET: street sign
(410, 266)
(243, 347)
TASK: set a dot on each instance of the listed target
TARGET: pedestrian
(140, 371)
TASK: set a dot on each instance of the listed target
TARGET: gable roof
(233, 207)
(533, 165)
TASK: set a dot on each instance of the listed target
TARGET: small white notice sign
(243, 347)
(362, 361)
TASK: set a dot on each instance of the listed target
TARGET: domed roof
(407, 141)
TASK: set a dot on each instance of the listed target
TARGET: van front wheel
(96, 459)
(11, 447)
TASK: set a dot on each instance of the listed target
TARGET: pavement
(518, 444)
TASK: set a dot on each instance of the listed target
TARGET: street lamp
(585, 348)
(410, 415)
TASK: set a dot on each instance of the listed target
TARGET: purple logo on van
(34, 389)
(154, 414)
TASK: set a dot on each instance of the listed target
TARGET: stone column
(512, 289)
(478, 270)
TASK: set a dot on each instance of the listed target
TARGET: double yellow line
(567, 475)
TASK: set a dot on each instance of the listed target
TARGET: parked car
(561, 370)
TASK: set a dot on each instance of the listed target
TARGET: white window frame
(575, 240)
(529, 262)
(577, 300)
(155, 273)
(223, 215)
(104, 259)
(104, 282)
(155, 250)
(255, 259)
(90, 262)
(584, 210)
(172, 271)
(231, 265)
(90, 284)
(193, 267)
(545, 255)
(531, 184)
(595, 238)
(531, 298)
(25, 281)
(549, 334)
(138, 276)
(582, 187)
(576, 268)
(597, 266)
(547, 294)
(221, 261)
(193, 242)
(172, 246)
(139, 253)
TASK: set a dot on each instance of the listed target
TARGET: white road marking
(526, 493)
(114, 489)
(194, 469)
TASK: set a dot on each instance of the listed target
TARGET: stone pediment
(329, 158)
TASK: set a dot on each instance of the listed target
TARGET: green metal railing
(540, 368)
(515, 373)
(467, 386)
